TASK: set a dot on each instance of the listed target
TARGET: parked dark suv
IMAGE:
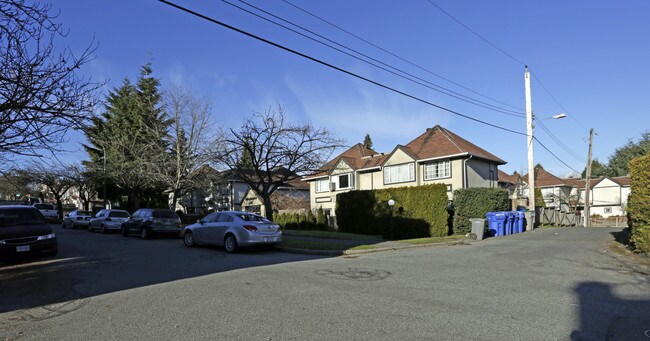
(24, 232)
(146, 222)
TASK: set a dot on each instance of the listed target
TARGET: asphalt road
(549, 284)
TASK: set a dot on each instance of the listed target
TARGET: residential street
(550, 284)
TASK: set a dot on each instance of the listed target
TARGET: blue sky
(590, 55)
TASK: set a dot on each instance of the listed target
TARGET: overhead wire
(521, 63)
(562, 145)
(396, 55)
(556, 101)
(553, 154)
(350, 73)
(414, 79)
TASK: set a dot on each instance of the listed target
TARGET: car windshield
(44, 206)
(119, 214)
(252, 217)
(13, 217)
(84, 213)
(164, 214)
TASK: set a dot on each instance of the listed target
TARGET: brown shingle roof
(545, 179)
(622, 180)
(440, 142)
(355, 157)
(507, 178)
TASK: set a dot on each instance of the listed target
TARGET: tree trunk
(59, 207)
(268, 210)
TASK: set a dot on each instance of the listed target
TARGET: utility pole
(587, 214)
(529, 130)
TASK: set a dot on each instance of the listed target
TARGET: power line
(420, 81)
(508, 55)
(562, 145)
(397, 56)
(556, 101)
(553, 154)
(350, 73)
(476, 34)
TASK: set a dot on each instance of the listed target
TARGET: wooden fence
(549, 216)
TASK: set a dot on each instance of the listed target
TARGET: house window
(322, 185)
(608, 210)
(399, 173)
(345, 181)
(437, 170)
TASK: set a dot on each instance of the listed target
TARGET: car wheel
(125, 233)
(230, 243)
(90, 228)
(144, 233)
(188, 239)
(102, 229)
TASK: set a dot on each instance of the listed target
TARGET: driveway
(549, 284)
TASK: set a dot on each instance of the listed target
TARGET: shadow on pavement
(606, 316)
(91, 264)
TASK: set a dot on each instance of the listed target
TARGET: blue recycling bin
(500, 224)
(492, 229)
(510, 222)
(521, 220)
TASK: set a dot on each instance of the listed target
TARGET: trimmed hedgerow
(475, 203)
(418, 212)
(638, 205)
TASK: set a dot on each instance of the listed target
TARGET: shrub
(638, 205)
(418, 211)
(320, 216)
(475, 203)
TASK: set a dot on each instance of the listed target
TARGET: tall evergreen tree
(618, 162)
(132, 134)
(367, 141)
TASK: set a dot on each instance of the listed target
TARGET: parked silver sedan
(108, 220)
(76, 218)
(233, 230)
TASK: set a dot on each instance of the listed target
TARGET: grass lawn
(330, 235)
(418, 241)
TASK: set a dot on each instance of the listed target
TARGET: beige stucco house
(436, 156)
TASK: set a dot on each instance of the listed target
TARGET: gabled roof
(507, 178)
(622, 180)
(545, 179)
(357, 157)
(440, 142)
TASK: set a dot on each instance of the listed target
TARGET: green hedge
(475, 203)
(418, 212)
(297, 221)
(638, 205)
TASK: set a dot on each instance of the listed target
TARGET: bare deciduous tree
(192, 135)
(86, 182)
(279, 152)
(53, 177)
(41, 96)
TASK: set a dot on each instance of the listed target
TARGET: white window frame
(322, 185)
(350, 181)
(607, 210)
(432, 170)
(410, 173)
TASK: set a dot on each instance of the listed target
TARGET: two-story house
(436, 156)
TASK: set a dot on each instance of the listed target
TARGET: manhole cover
(355, 274)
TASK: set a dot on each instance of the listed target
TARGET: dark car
(146, 222)
(25, 232)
